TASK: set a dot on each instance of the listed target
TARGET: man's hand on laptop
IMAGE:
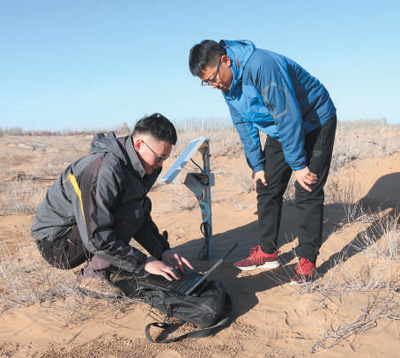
(157, 267)
(171, 262)
(172, 258)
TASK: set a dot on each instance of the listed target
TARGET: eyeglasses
(159, 159)
(214, 79)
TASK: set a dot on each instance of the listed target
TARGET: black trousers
(310, 206)
(69, 251)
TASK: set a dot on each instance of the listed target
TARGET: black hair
(158, 126)
(203, 54)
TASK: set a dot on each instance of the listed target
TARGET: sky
(95, 64)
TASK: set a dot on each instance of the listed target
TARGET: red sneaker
(258, 260)
(305, 272)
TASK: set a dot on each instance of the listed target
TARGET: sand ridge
(271, 318)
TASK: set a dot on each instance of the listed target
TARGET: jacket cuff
(141, 262)
(258, 168)
(163, 246)
(299, 167)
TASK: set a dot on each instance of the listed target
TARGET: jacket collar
(239, 53)
(133, 157)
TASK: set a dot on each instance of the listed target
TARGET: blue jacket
(272, 93)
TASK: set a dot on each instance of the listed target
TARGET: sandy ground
(271, 317)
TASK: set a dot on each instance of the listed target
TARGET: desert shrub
(364, 139)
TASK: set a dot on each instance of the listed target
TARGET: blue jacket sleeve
(250, 138)
(272, 80)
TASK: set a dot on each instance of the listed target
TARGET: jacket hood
(239, 52)
(107, 143)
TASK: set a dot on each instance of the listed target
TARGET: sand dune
(271, 318)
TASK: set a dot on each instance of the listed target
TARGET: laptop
(187, 284)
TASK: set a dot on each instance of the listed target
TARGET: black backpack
(209, 310)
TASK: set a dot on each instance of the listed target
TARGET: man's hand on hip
(260, 175)
(305, 176)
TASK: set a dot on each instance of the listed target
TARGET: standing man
(99, 203)
(271, 93)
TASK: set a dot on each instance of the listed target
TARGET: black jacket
(87, 194)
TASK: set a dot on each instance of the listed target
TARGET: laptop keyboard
(187, 280)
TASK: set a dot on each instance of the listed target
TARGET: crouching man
(99, 203)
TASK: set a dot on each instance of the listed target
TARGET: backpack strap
(200, 333)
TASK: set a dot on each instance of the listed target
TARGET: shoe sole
(303, 283)
(266, 266)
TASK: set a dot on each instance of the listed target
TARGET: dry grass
(376, 310)
(364, 278)
(364, 139)
(355, 140)
(26, 280)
